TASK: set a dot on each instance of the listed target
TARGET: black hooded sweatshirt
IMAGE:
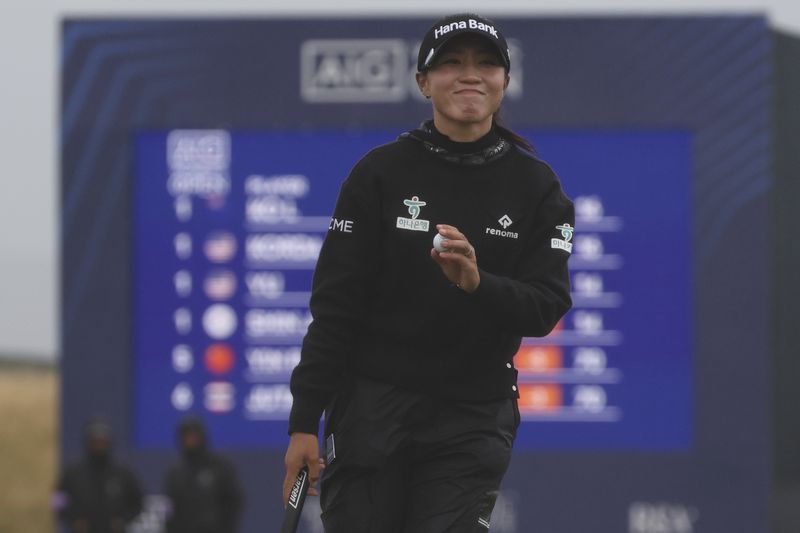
(382, 309)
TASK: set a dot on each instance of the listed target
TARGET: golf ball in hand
(437, 243)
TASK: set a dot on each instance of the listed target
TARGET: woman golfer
(410, 353)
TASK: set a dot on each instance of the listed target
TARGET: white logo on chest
(504, 221)
(414, 224)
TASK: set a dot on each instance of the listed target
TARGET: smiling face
(466, 85)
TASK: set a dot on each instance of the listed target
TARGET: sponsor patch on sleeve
(563, 243)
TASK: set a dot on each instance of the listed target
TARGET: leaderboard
(568, 375)
(228, 226)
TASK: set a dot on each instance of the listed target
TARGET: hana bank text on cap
(445, 29)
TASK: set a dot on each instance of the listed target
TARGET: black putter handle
(297, 497)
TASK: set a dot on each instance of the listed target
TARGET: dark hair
(511, 136)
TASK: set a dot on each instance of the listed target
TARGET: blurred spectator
(96, 494)
(203, 487)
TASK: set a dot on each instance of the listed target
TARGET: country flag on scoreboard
(219, 358)
(220, 284)
(220, 246)
(539, 359)
(540, 398)
(220, 396)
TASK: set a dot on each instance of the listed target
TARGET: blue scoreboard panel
(228, 225)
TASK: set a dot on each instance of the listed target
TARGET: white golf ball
(437, 243)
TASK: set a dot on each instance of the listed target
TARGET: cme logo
(372, 70)
(354, 70)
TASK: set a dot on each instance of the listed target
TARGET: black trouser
(409, 463)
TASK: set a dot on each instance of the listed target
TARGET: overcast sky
(29, 185)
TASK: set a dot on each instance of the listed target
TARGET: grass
(28, 443)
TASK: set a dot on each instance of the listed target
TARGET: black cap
(445, 29)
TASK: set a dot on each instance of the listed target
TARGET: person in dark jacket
(203, 487)
(446, 248)
(97, 494)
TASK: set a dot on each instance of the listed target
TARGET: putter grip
(297, 497)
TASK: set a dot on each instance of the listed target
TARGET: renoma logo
(354, 70)
(505, 221)
(372, 71)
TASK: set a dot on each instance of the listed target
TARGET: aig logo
(372, 70)
(356, 70)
